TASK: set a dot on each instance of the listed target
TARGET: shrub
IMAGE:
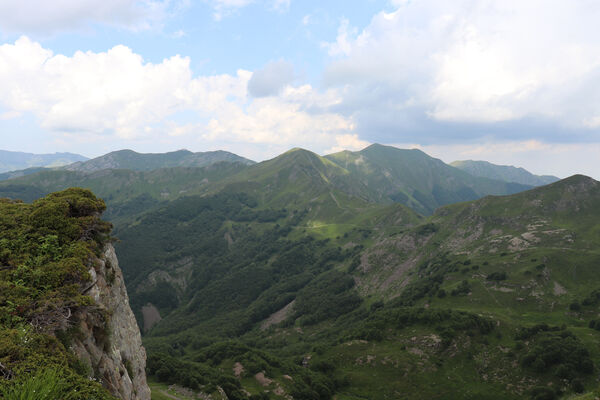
(496, 276)
(543, 393)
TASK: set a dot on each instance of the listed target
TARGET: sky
(508, 81)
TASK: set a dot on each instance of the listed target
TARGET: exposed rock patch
(151, 316)
(112, 347)
(278, 316)
(559, 290)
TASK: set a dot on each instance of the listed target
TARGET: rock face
(109, 342)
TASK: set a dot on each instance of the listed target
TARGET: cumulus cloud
(471, 62)
(224, 8)
(281, 5)
(116, 94)
(34, 16)
(271, 79)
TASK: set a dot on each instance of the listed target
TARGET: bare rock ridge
(112, 347)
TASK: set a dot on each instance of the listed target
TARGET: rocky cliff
(65, 322)
(112, 347)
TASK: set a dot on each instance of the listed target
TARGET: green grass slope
(413, 178)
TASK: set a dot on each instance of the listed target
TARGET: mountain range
(503, 172)
(382, 273)
(129, 159)
(13, 160)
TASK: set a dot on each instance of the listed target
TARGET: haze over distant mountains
(503, 172)
(14, 160)
(129, 159)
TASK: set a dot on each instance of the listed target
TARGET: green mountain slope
(127, 193)
(504, 173)
(499, 294)
(13, 160)
(378, 174)
(19, 173)
(128, 159)
(413, 178)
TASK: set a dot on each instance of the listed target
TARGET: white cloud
(271, 79)
(342, 45)
(34, 16)
(281, 5)
(116, 95)
(9, 115)
(475, 61)
(224, 8)
(348, 142)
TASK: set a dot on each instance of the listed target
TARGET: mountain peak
(129, 159)
(506, 173)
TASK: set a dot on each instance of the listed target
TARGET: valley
(378, 274)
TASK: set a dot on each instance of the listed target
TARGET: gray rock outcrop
(109, 342)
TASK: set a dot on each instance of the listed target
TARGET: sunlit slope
(415, 179)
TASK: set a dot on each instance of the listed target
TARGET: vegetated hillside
(495, 298)
(218, 266)
(127, 193)
(14, 160)
(378, 174)
(503, 173)
(129, 159)
(21, 172)
(414, 179)
(46, 249)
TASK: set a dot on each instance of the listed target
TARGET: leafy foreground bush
(46, 250)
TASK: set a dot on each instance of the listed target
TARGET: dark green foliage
(461, 290)
(577, 385)
(593, 299)
(447, 322)
(554, 350)
(496, 276)
(426, 229)
(594, 324)
(543, 393)
(46, 249)
(328, 297)
(540, 267)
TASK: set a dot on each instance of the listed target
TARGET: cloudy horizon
(511, 82)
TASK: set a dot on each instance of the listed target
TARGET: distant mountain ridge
(15, 160)
(375, 175)
(129, 159)
(415, 179)
(506, 173)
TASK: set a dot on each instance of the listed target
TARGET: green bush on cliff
(46, 250)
